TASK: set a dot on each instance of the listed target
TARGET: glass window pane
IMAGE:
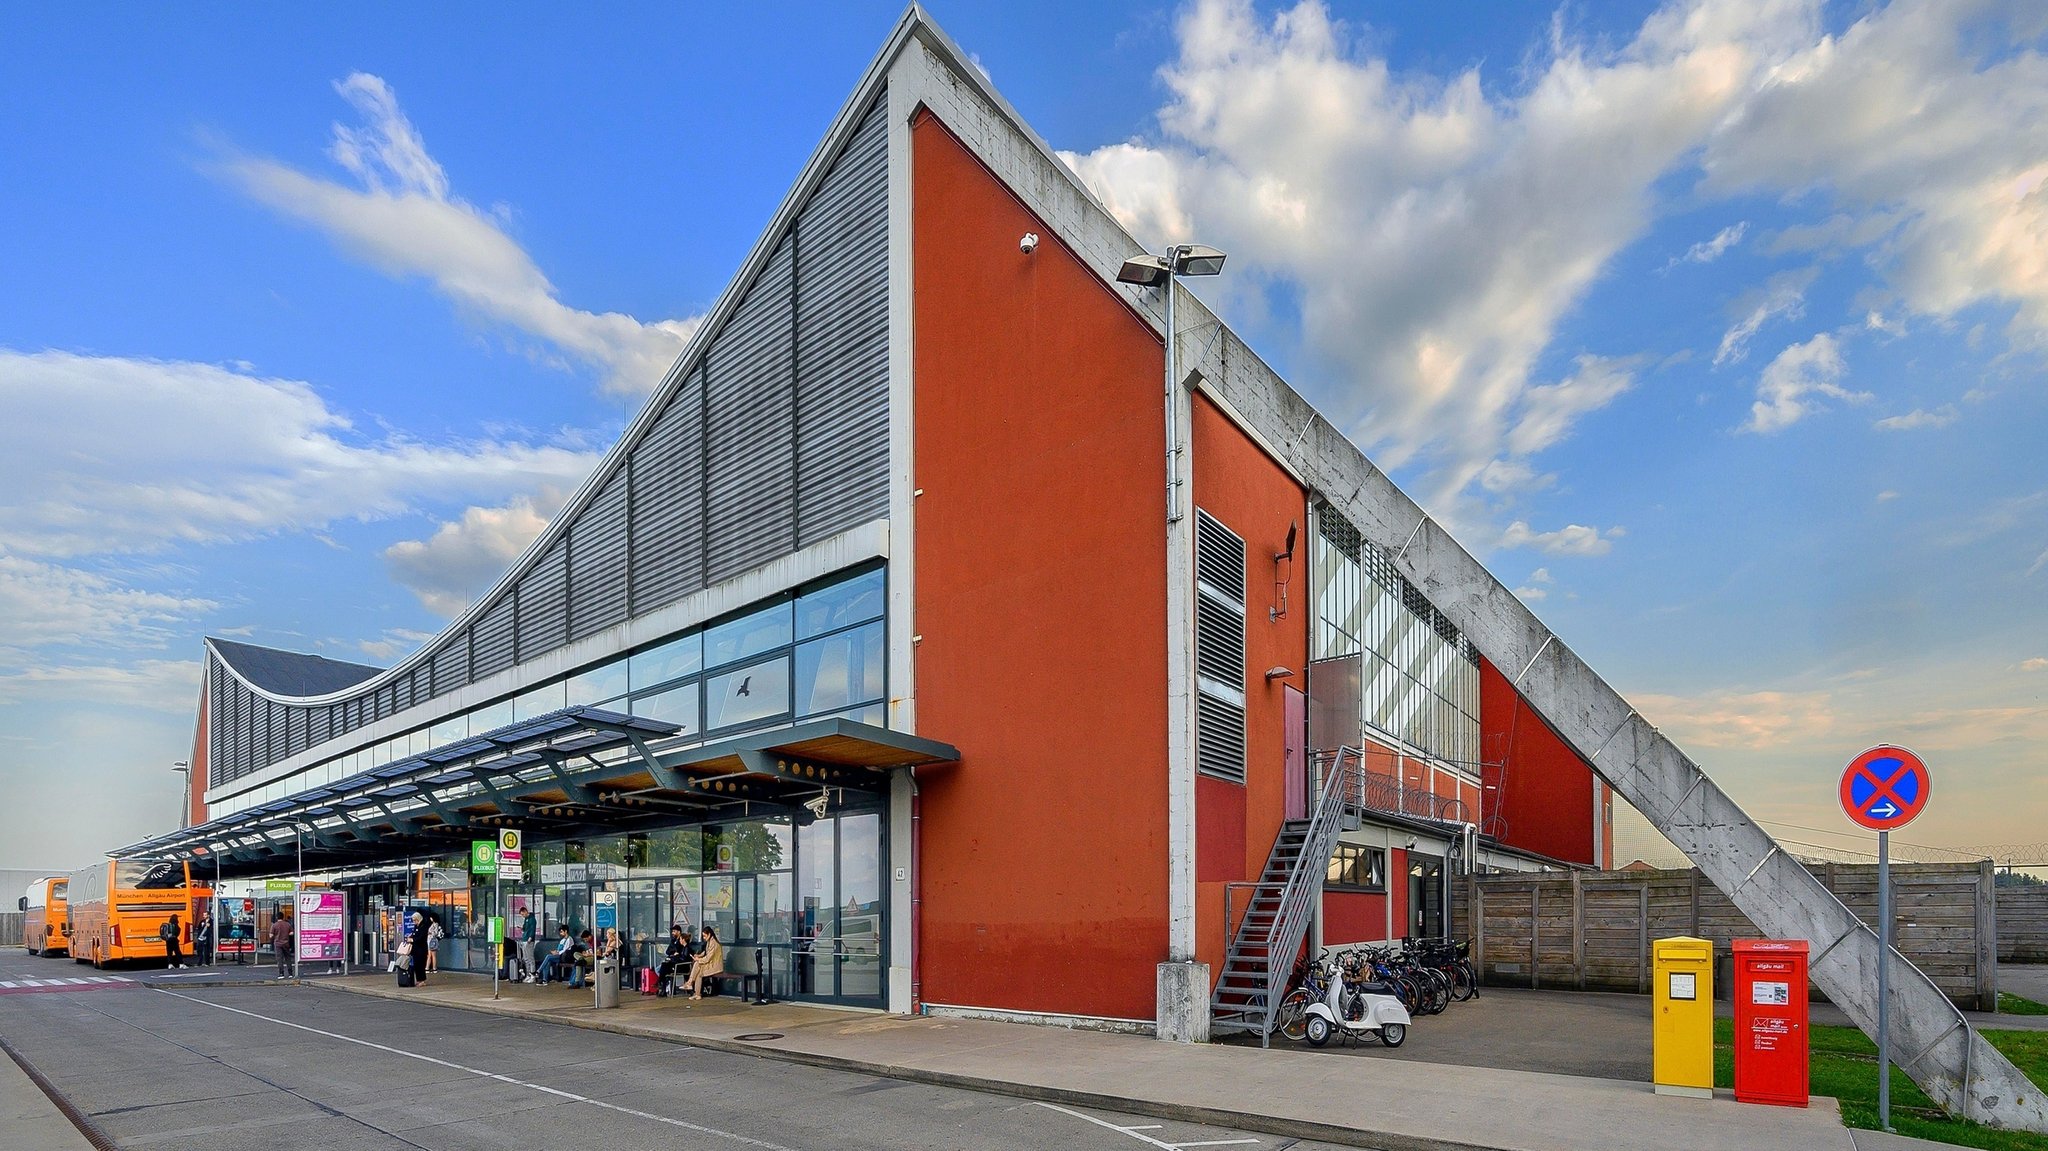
(751, 634)
(840, 605)
(747, 694)
(840, 671)
(490, 717)
(658, 665)
(774, 907)
(449, 731)
(677, 705)
(539, 701)
(598, 684)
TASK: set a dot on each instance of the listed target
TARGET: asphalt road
(266, 1068)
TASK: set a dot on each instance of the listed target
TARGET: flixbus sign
(483, 857)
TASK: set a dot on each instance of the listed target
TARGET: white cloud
(404, 220)
(1537, 589)
(1876, 322)
(1926, 126)
(2035, 664)
(464, 557)
(1438, 229)
(164, 685)
(1707, 251)
(43, 604)
(1792, 384)
(1887, 496)
(1547, 412)
(394, 644)
(1755, 720)
(1570, 540)
(1784, 297)
(109, 455)
(1940, 417)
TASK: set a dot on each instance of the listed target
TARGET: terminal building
(930, 636)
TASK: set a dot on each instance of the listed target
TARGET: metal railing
(1389, 794)
(1304, 885)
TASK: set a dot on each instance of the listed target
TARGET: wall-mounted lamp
(1276, 672)
(1282, 577)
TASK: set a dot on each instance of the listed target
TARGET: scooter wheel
(1318, 1031)
(1393, 1034)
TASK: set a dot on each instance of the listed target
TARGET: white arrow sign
(1884, 810)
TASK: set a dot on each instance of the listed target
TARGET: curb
(1187, 1113)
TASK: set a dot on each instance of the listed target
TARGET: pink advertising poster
(321, 920)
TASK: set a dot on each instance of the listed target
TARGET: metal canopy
(578, 771)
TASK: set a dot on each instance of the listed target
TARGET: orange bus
(118, 905)
(44, 926)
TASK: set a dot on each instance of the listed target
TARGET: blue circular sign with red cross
(1885, 787)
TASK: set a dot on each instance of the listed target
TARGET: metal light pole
(185, 810)
(298, 887)
(1178, 995)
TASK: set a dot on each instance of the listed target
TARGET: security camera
(1028, 243)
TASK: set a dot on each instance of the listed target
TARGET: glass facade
(1417, 675)
(808, 902)
(816, 653)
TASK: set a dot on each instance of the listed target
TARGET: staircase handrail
(1283, 934)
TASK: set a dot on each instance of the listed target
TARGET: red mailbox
(1770, 1021)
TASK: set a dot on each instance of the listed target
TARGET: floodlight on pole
(185, 812)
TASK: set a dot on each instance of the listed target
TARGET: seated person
(551, 963)
(676, 958)
(708, 964)
(579, 960)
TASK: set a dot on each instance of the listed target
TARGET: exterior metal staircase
(1263, 946)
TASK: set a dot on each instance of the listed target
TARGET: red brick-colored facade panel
(1040, 597)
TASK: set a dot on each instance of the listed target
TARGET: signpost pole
(298, 889)
(497, 908)
(1884, 980)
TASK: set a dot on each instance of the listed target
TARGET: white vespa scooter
(1355, 1006)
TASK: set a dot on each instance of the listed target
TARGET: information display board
(321, 926)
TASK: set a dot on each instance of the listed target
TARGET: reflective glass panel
(747, 694)
(840, 605)
(539, 701)
(448, 731)
(657, 665)
(490, 717)
(839, 671)
(750, 634)
(677, 705)
(598, 684)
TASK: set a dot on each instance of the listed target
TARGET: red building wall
(1040, 599)
(1238, 484)
(1544, 791)
(1354, 917)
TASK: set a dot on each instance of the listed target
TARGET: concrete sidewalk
(29, 1119)
(1394, 1104)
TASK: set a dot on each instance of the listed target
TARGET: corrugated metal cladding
(777, 439)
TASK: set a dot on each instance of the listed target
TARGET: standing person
(202, 938)
(434, 937)
(422, 947)
(281, 942)
(170, 933)
(529, 942)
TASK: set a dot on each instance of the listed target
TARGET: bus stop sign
(1884, 788)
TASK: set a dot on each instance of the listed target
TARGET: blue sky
(1715, 328)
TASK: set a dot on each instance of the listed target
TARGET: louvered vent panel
(1219, 650)
(842, 362)
(451, 668)
(748, 438)
(668, 503)
(1219, 738)
(492, 636)
(544, 604)
(597, 561)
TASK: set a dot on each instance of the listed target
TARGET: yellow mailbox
(1682, 1029)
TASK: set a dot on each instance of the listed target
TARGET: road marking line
(748, 1140)
(1141, 1127)
(78, 981)
(3, 984)
(98, 979)
(1215, 1142)
(1134, 1129)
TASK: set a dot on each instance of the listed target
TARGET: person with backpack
(170, 933)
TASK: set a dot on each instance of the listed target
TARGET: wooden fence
(2023, 924)
(1592, 930)
(10, 928)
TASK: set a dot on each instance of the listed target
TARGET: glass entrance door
(842, 920)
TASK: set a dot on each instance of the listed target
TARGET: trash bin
(607, 977)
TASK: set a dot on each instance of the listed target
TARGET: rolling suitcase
(648, 977)
(405, 977)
